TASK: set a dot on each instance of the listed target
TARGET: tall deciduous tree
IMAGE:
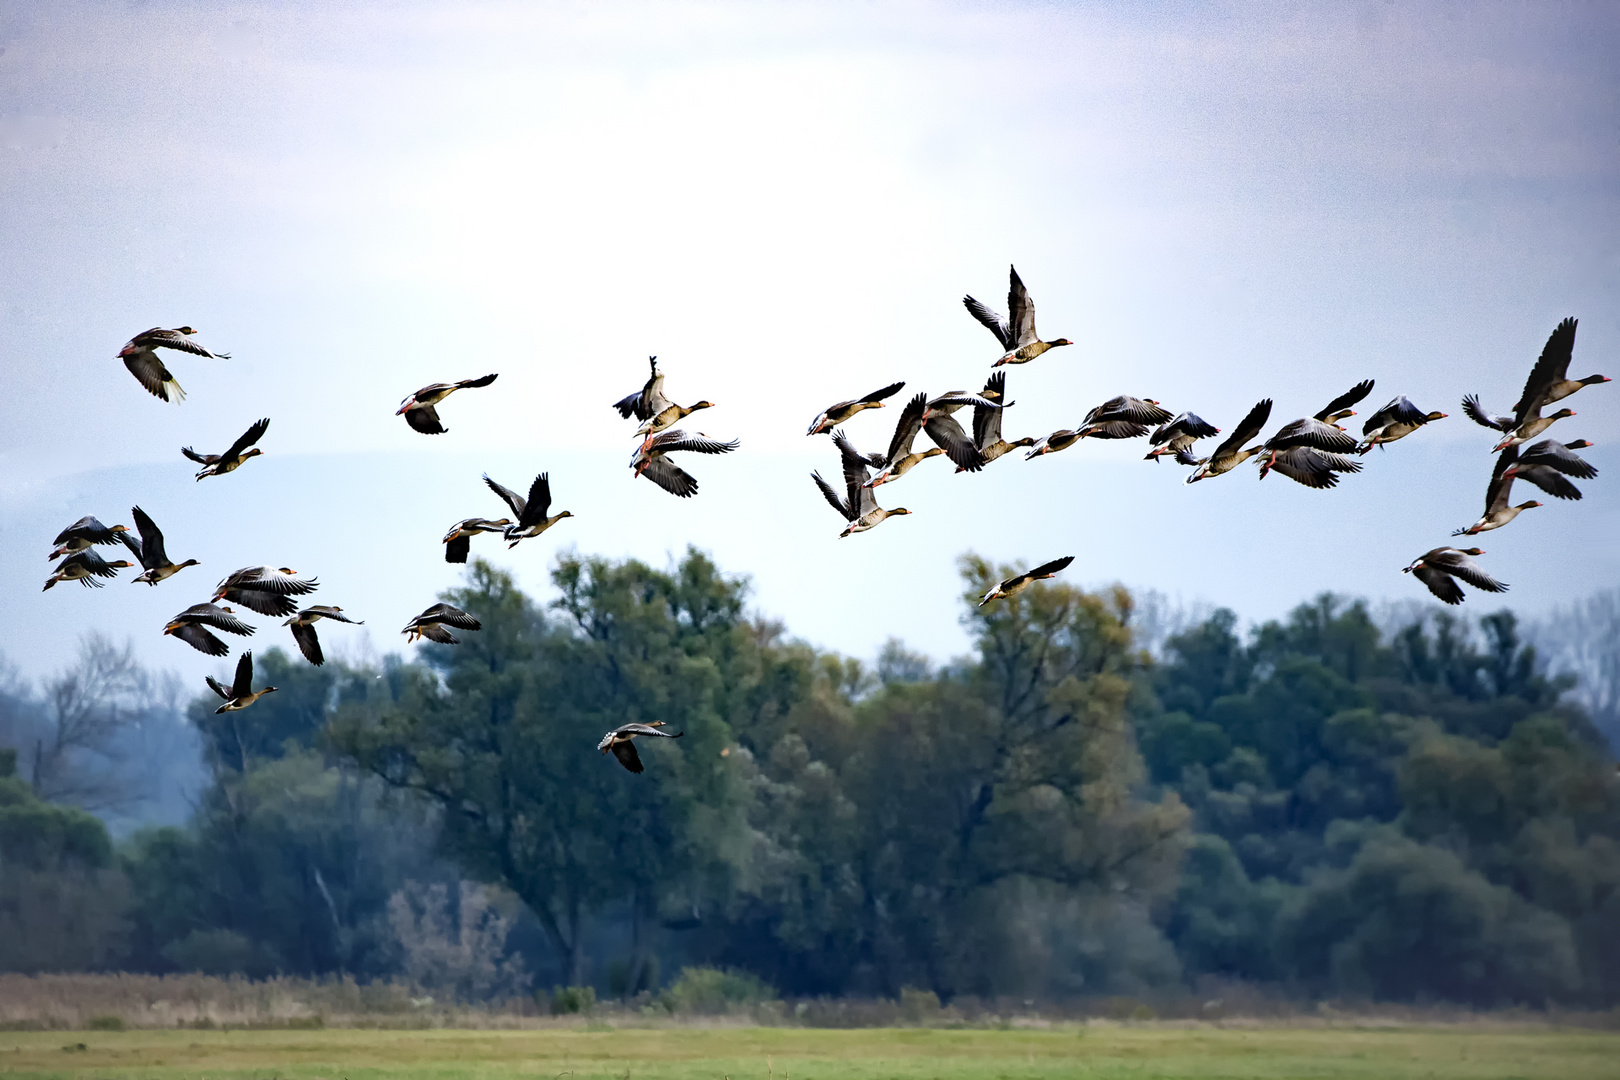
(504, 739)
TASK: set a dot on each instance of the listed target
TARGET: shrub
(919, 1006)
(106, 1023)
(712, 991)
(572, 999)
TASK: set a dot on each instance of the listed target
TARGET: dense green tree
(60, 897)
(502, 741)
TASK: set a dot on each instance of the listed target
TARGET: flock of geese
(1314, 451)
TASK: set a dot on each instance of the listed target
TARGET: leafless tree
(88, 739)
(1583, 640)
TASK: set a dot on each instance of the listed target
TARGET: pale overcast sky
(786, 203)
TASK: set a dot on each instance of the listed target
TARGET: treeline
(1320, 806)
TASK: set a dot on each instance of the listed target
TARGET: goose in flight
(1309, 466)
(1016, 332)
(1532, 425)
(303, 629)
(1439, 568)
(82, 534)
(650, 459)
(1178, 435)
(148, 550)
(84, 567)
(900, 459)
(143, 362)
(1230, 454)
(230, 460)
(432, 622)
(419, 407)
(944, 432)
(1559, 456)
(657, 412)
(1394, 421)
(1142, 411)
(530, 514)
(240, 694)
(191, 627)
(1014, 585)
(618, 741)
(1322, 431)
(1549, 380)
(458, 541)
(1339, 408)
(1497, 511)
(860, 507)
(987, 423)
(265, 589)
(833, 415)
(1058, 440)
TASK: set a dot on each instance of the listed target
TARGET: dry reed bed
(202, 1001)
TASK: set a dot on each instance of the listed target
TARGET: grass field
(800, 1054)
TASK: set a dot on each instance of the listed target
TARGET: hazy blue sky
(786, 204)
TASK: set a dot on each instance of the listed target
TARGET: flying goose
(1497, 510)
(265, 589)
(1051, 444)
(901, 459)
(944, 432)
(1142, 411)
(531, 513)
(303, 629)
(1309, 466)
(1322, 431)
(240, 694)
(418, 408)
(618, 741)
(1559, 456)
(665, 413)
(1394, 421)
(650, 461)
(834, 415)
(432, 622)
(1437, 568)
(860, 507)
(190, 626)
(1014, 585)
(1546, 384)
(1339, 407)
(987, 423)
(82, 534)
(1230, 454)
(1016, 332)
(220, 464)
(1532, 425)
(143, 363)
(148, 550)
(1549, 380)
(1178, 435)
(84, 567)
(458, 541)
